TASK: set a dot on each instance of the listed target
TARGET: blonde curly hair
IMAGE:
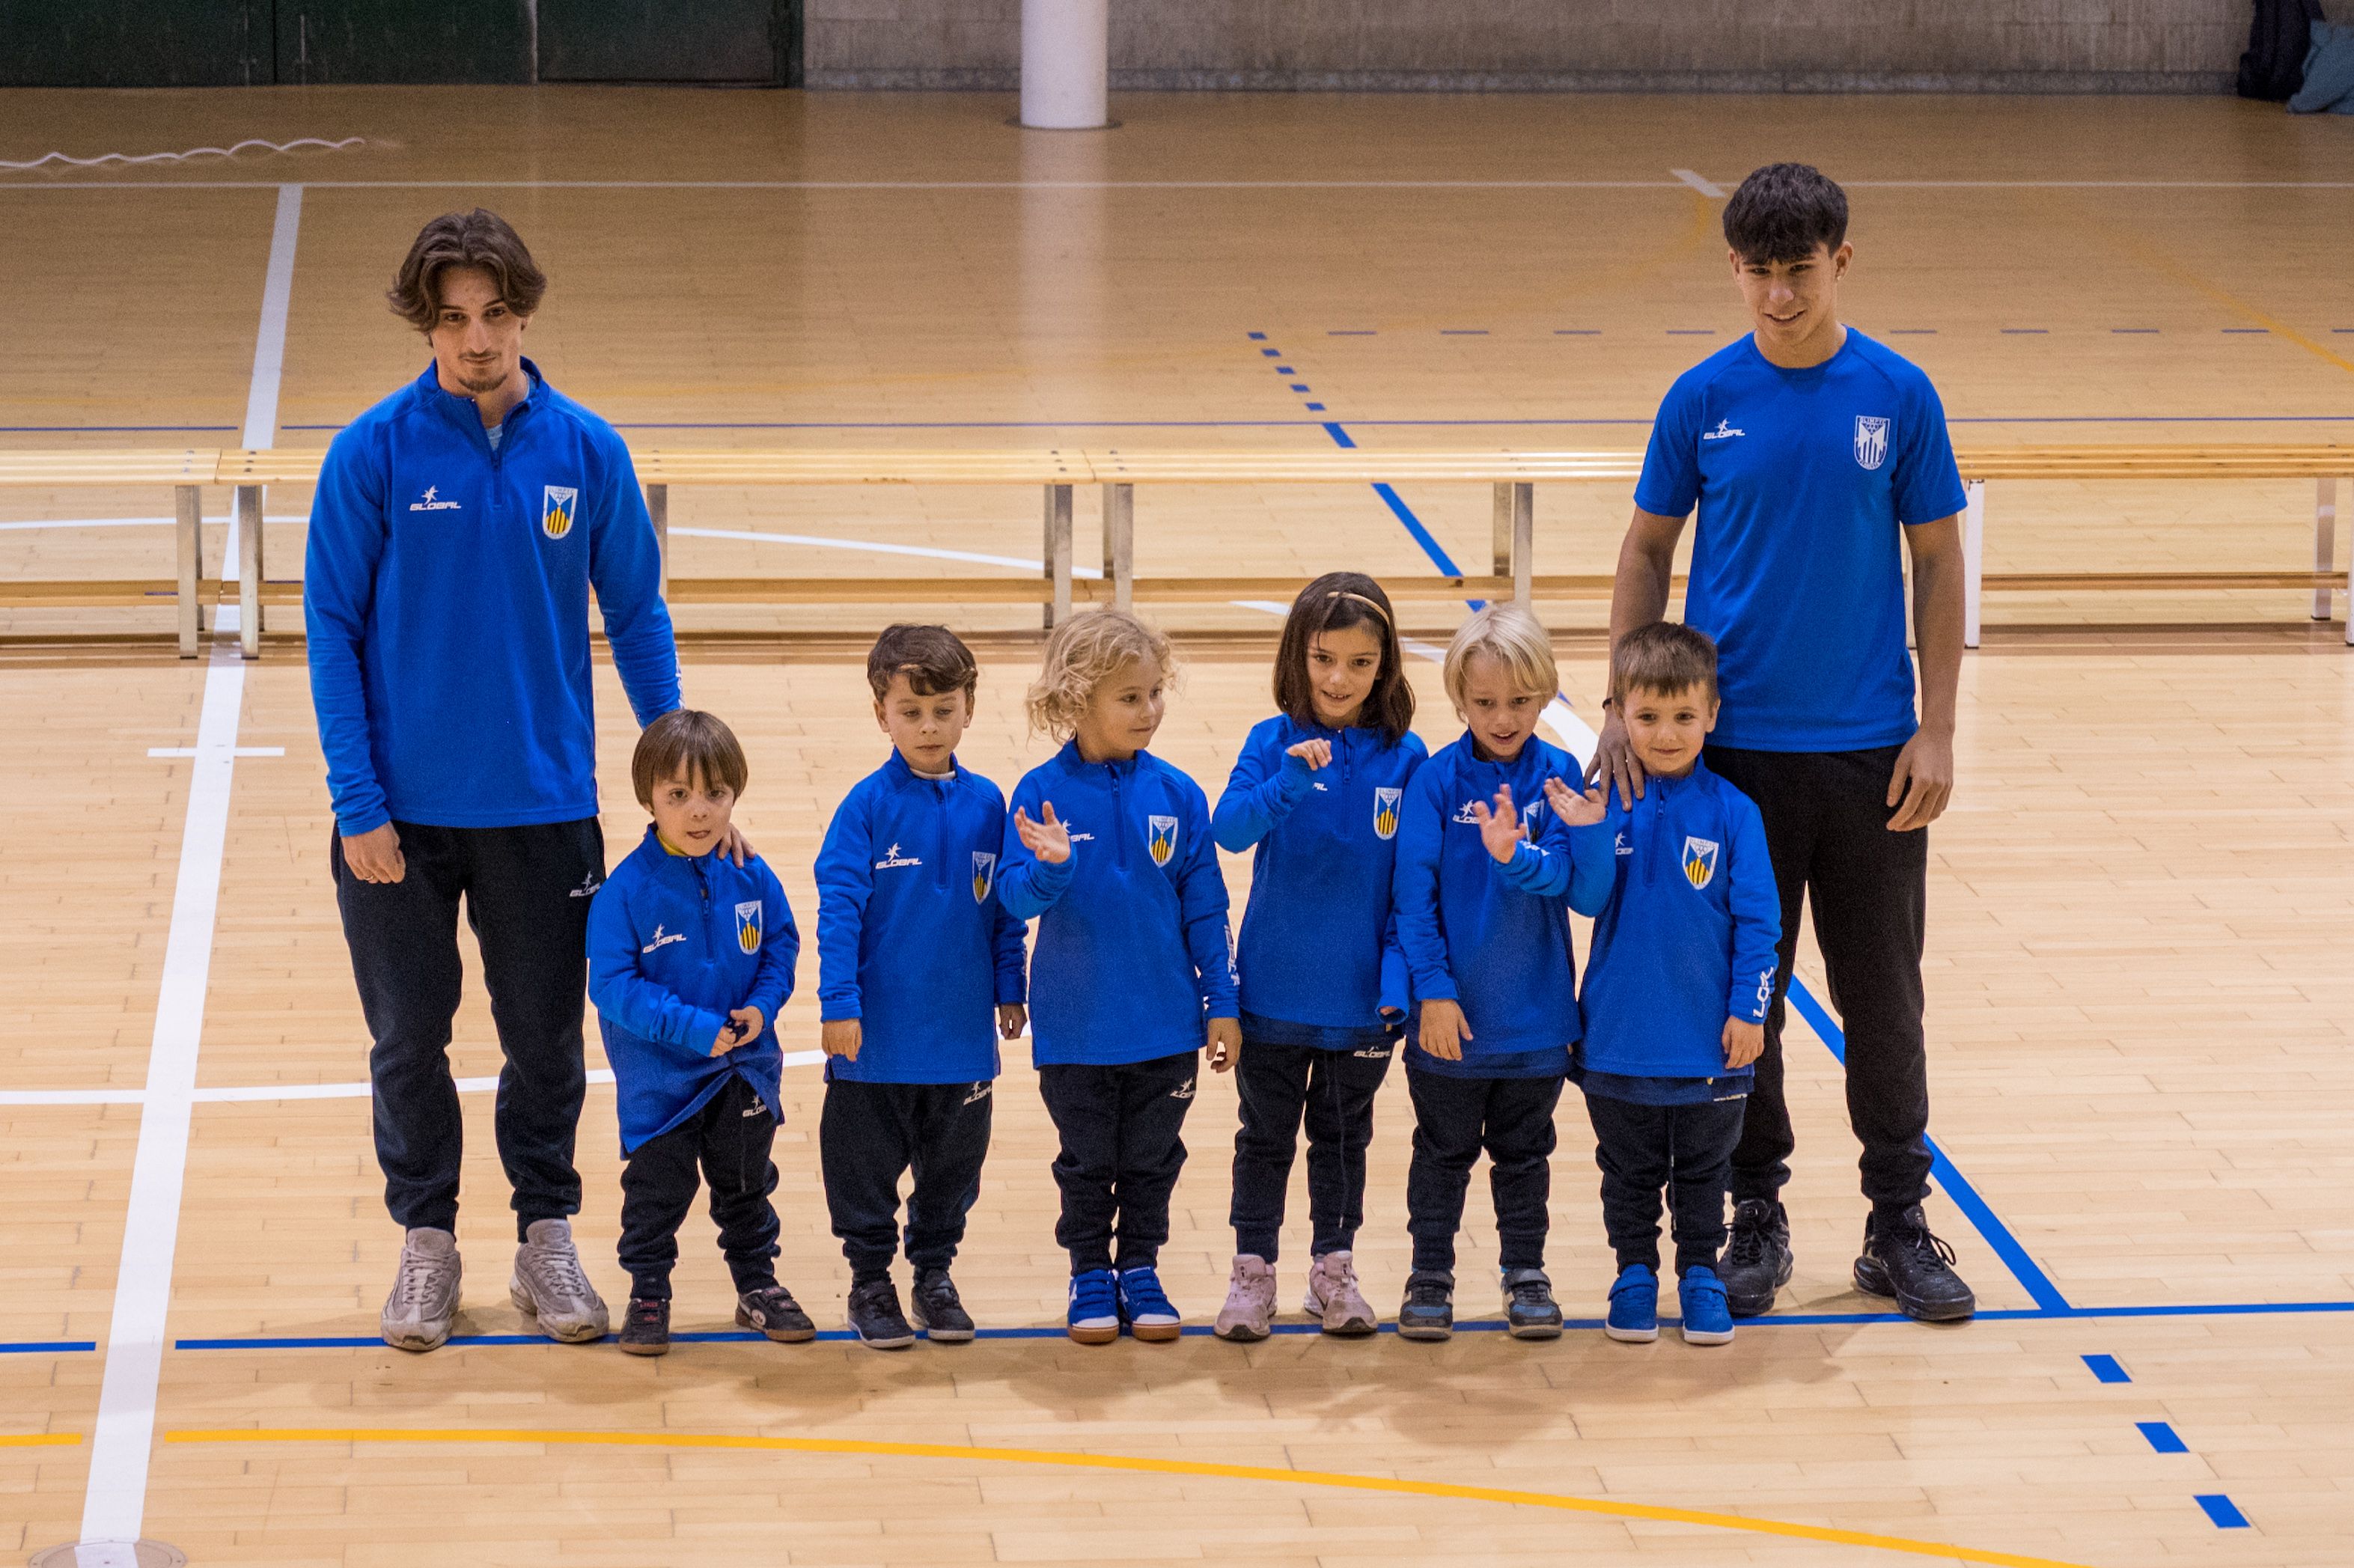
(1082, 654)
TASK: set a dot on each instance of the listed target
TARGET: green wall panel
(403, 41)
(136, 43)
(664, 40)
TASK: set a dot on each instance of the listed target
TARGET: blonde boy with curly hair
(1108, 849)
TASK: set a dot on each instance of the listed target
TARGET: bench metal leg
(1500, 530)
(188, 501)
(2324, 543)
(1119, 543)
(249, 559)
(658, 508)
(1059, 553)
(1973, 561)
(1524, 532)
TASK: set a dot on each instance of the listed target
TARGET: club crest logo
(1161, 838)
(1385, 812)
(747, 926)
(984, 875)
(1700, 862)
(1871, 440)
(557, 504)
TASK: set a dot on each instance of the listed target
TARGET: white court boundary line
(250, 1093)
(1706, 188)
(123, 1444)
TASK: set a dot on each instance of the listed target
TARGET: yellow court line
(1128, 1462)
(40, 1440)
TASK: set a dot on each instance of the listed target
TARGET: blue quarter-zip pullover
(911, 940)
(1686, 937)
(446, 602)
(1473, 935)
(1133, 958)
(1318, 955)
(677, 942)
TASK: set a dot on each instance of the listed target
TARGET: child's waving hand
(1499, 828)
(1575, 810)
(1049, 840)
(1316, 752)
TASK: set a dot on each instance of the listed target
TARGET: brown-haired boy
(919, 972)
(689, 958)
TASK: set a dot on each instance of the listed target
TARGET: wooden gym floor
(2136, 968)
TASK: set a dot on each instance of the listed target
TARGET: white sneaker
(1249, 1311)
(548, 1285)
(425, 1293)
(1334, 1299)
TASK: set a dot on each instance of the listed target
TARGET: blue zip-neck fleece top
(676, 942)
(1318, 955)
(1686, 938)
(1133, 958)
(445, 597)
(1473, 934)
(911, 940)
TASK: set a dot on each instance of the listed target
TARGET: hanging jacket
(676, 942)
(1132, 958)
(1685, 937)
(445, 599)
(911, 940)
(2279, 33)
(1318, 954)
(1473, 935)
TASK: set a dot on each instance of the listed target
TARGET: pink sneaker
(1333, 1296)
(1250, 1310)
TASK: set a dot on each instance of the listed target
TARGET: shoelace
(557, 1270)
(1532, 1293)
(413, 1287)
(1748, 1242)
(1923, 1240)
(1428, 1293)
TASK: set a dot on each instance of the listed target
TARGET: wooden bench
(1513, 477)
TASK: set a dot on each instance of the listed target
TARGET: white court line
(192, 751)
(922, 186)
(878, 546)
(115, 1506)
(1706, 187)
(249, 1094)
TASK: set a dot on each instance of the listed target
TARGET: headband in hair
(1361, 599)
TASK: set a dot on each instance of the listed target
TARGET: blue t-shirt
(1802, 477)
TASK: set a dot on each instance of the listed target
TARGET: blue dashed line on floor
(1272, 353)
(1300, 386)
(2249, 331)
(2222, 1510)
(2162, 1437)
(1463, 332)
(1691, 332)
(2026, 332)
(1352, 331)
(2134, 331)
(1316, 408)
(1577, 332)
(1912, 332)
(1259, 337)
(2106, 1368)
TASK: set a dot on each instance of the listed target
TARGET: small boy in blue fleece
(1110, 853)
(689, 958)
(1677, 986)
(1488, 955)
(914, 953)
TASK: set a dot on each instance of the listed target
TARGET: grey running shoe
(549, 1286)
(1333, 1296)
(1428, 1311)
(1529, 1310)
(425, 1293)
(1249, 1311)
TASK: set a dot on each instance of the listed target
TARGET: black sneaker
(1429, 1312)
(935, 1308)
(1756, 1261)
(1901, 1259)
(1529, 1310)
(874, 1313)
(646, 1330)
(773, 1311)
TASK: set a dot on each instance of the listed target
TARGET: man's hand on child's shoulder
(1576, 810)
(744, 1026)
(735, 845)
(1049, 840)
(841, 1037)
(1499, 828)
(1013, 1018)
(1743, 1042)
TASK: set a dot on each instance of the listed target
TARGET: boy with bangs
(1483, 885)
(914, 952)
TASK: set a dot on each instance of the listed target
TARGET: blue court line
(1577, 332)
(1472, 1326)
(1354, 332)
(1691, 332)
(2162, 1437)
(2249, 331)
(1912, 332)
(2106, 1369)
(1965, 1197)
(1285, 370)
(1463, 332)
(2134, 331)
(2222, 1510)
(43, 1346)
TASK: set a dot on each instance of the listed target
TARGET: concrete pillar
(1065, 65)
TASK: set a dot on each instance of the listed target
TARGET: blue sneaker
(1144, 1308)
(1634, 1306)
(1708, 1320)
(1094, 1306)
